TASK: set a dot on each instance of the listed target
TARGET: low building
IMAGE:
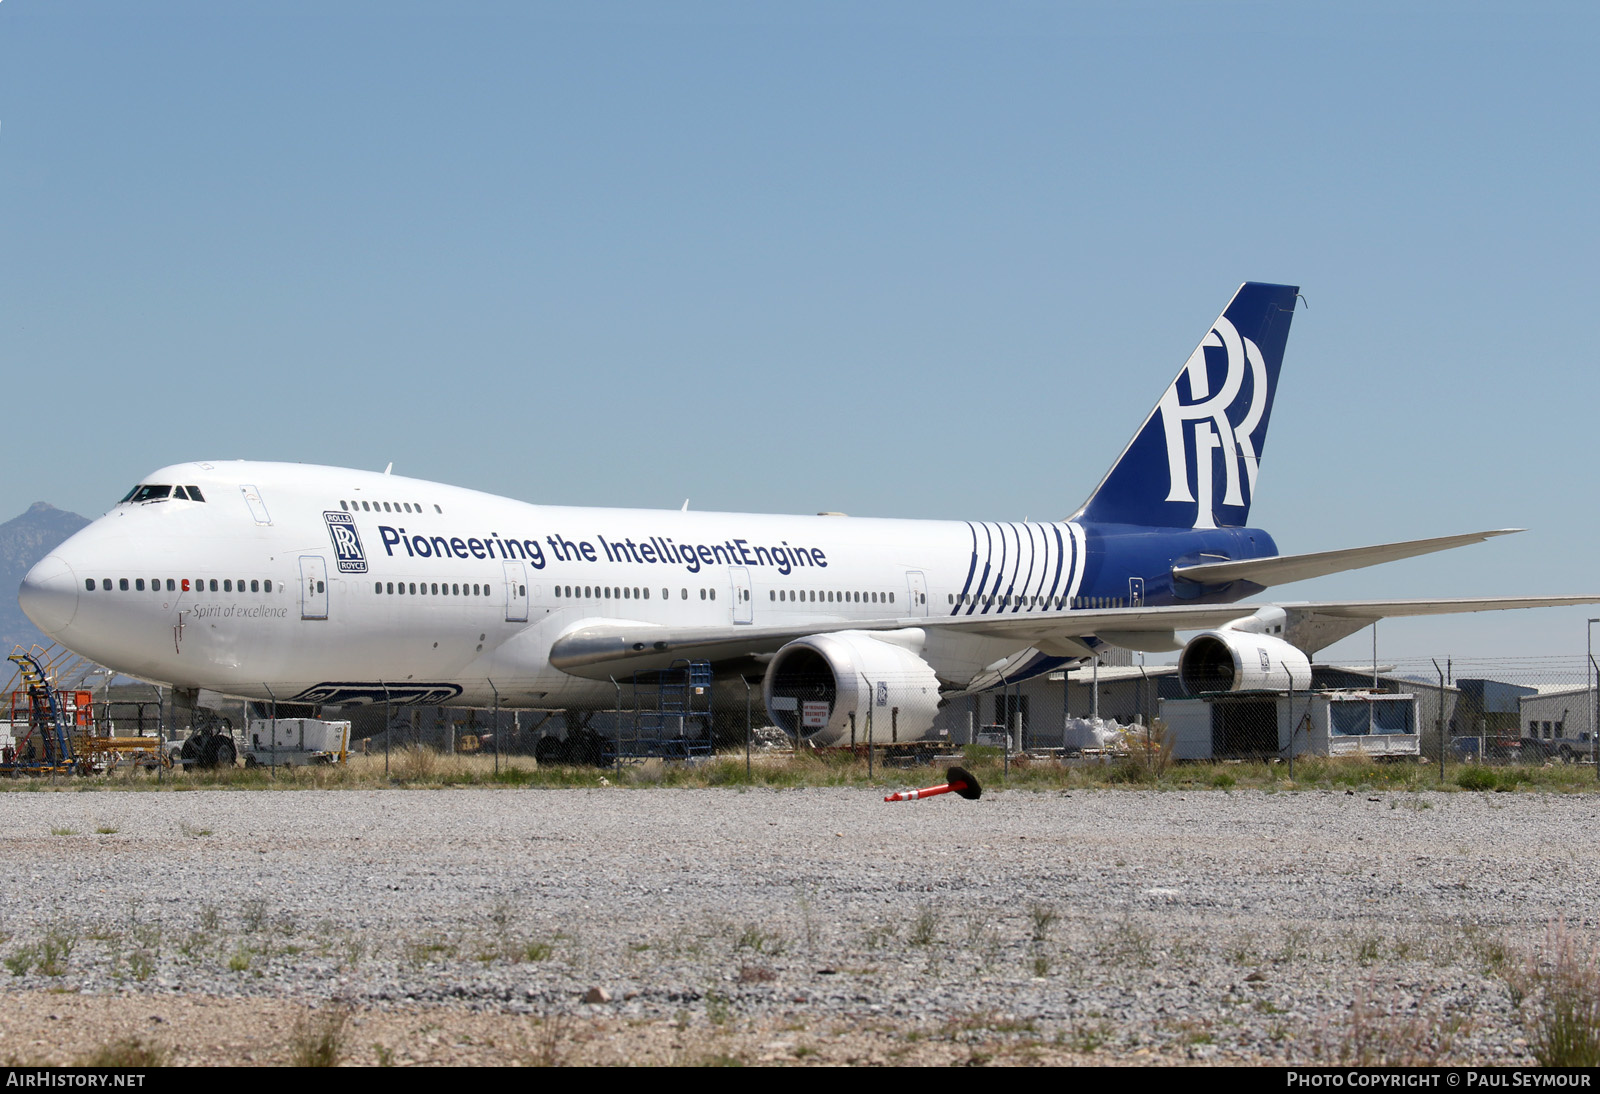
(1382, 725)
(1561, 720)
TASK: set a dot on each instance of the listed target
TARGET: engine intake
(815, 684)
(1229, 660)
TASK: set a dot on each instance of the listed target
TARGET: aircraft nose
(49, 595)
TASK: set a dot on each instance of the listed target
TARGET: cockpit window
(150, 493)
(194, 494)
(128, 496)
(180, 492)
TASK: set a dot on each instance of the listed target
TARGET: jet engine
(822, 688)
(1237, 660)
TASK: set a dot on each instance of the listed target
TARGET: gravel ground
(802, 926)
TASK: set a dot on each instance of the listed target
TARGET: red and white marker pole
(958, 781)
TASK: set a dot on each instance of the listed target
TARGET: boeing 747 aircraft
(322, 585)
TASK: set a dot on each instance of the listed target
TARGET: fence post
(496, 724)
(1440, 719)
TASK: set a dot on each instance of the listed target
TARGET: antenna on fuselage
(390, 468)
(685, 508)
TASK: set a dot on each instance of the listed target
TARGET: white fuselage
(317, 584)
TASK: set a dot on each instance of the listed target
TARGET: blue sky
(919, 259)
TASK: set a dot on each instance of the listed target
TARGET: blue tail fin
(1193, 462)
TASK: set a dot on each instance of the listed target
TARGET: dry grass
(1147, 764)
(318, 1037)
(1375, 1035)
(130, 1052)
(1558, 987)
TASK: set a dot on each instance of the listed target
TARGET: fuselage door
(313, 587)
(258, 508)
(1136, 592)
(917, 590)
(744, 605)
(516, 593)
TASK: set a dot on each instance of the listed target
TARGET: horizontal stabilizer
(1286, 568)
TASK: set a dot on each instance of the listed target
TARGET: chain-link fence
(1475, 710)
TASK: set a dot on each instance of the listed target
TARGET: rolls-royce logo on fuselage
(347, 550)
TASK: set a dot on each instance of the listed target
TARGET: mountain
(24, 541)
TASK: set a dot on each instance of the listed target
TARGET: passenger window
(88, 584)
(713, 594)
(266, 586)
(105, 584)
(455, 590)
(255, 586)
(702, 594)
(377, 586)
(686, 594)
(343, 506)
(227, 585)
(122, 584)
(366, 507)
(436, 590)
(138, 584)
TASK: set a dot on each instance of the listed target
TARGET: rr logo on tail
(1193, 462)
(1212, 428)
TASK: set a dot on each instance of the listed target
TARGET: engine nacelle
(852, 673)
(1237, 660)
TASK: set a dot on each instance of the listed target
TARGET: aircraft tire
(550, 750)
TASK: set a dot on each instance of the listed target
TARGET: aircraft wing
(599, 649)
(1283, 569)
